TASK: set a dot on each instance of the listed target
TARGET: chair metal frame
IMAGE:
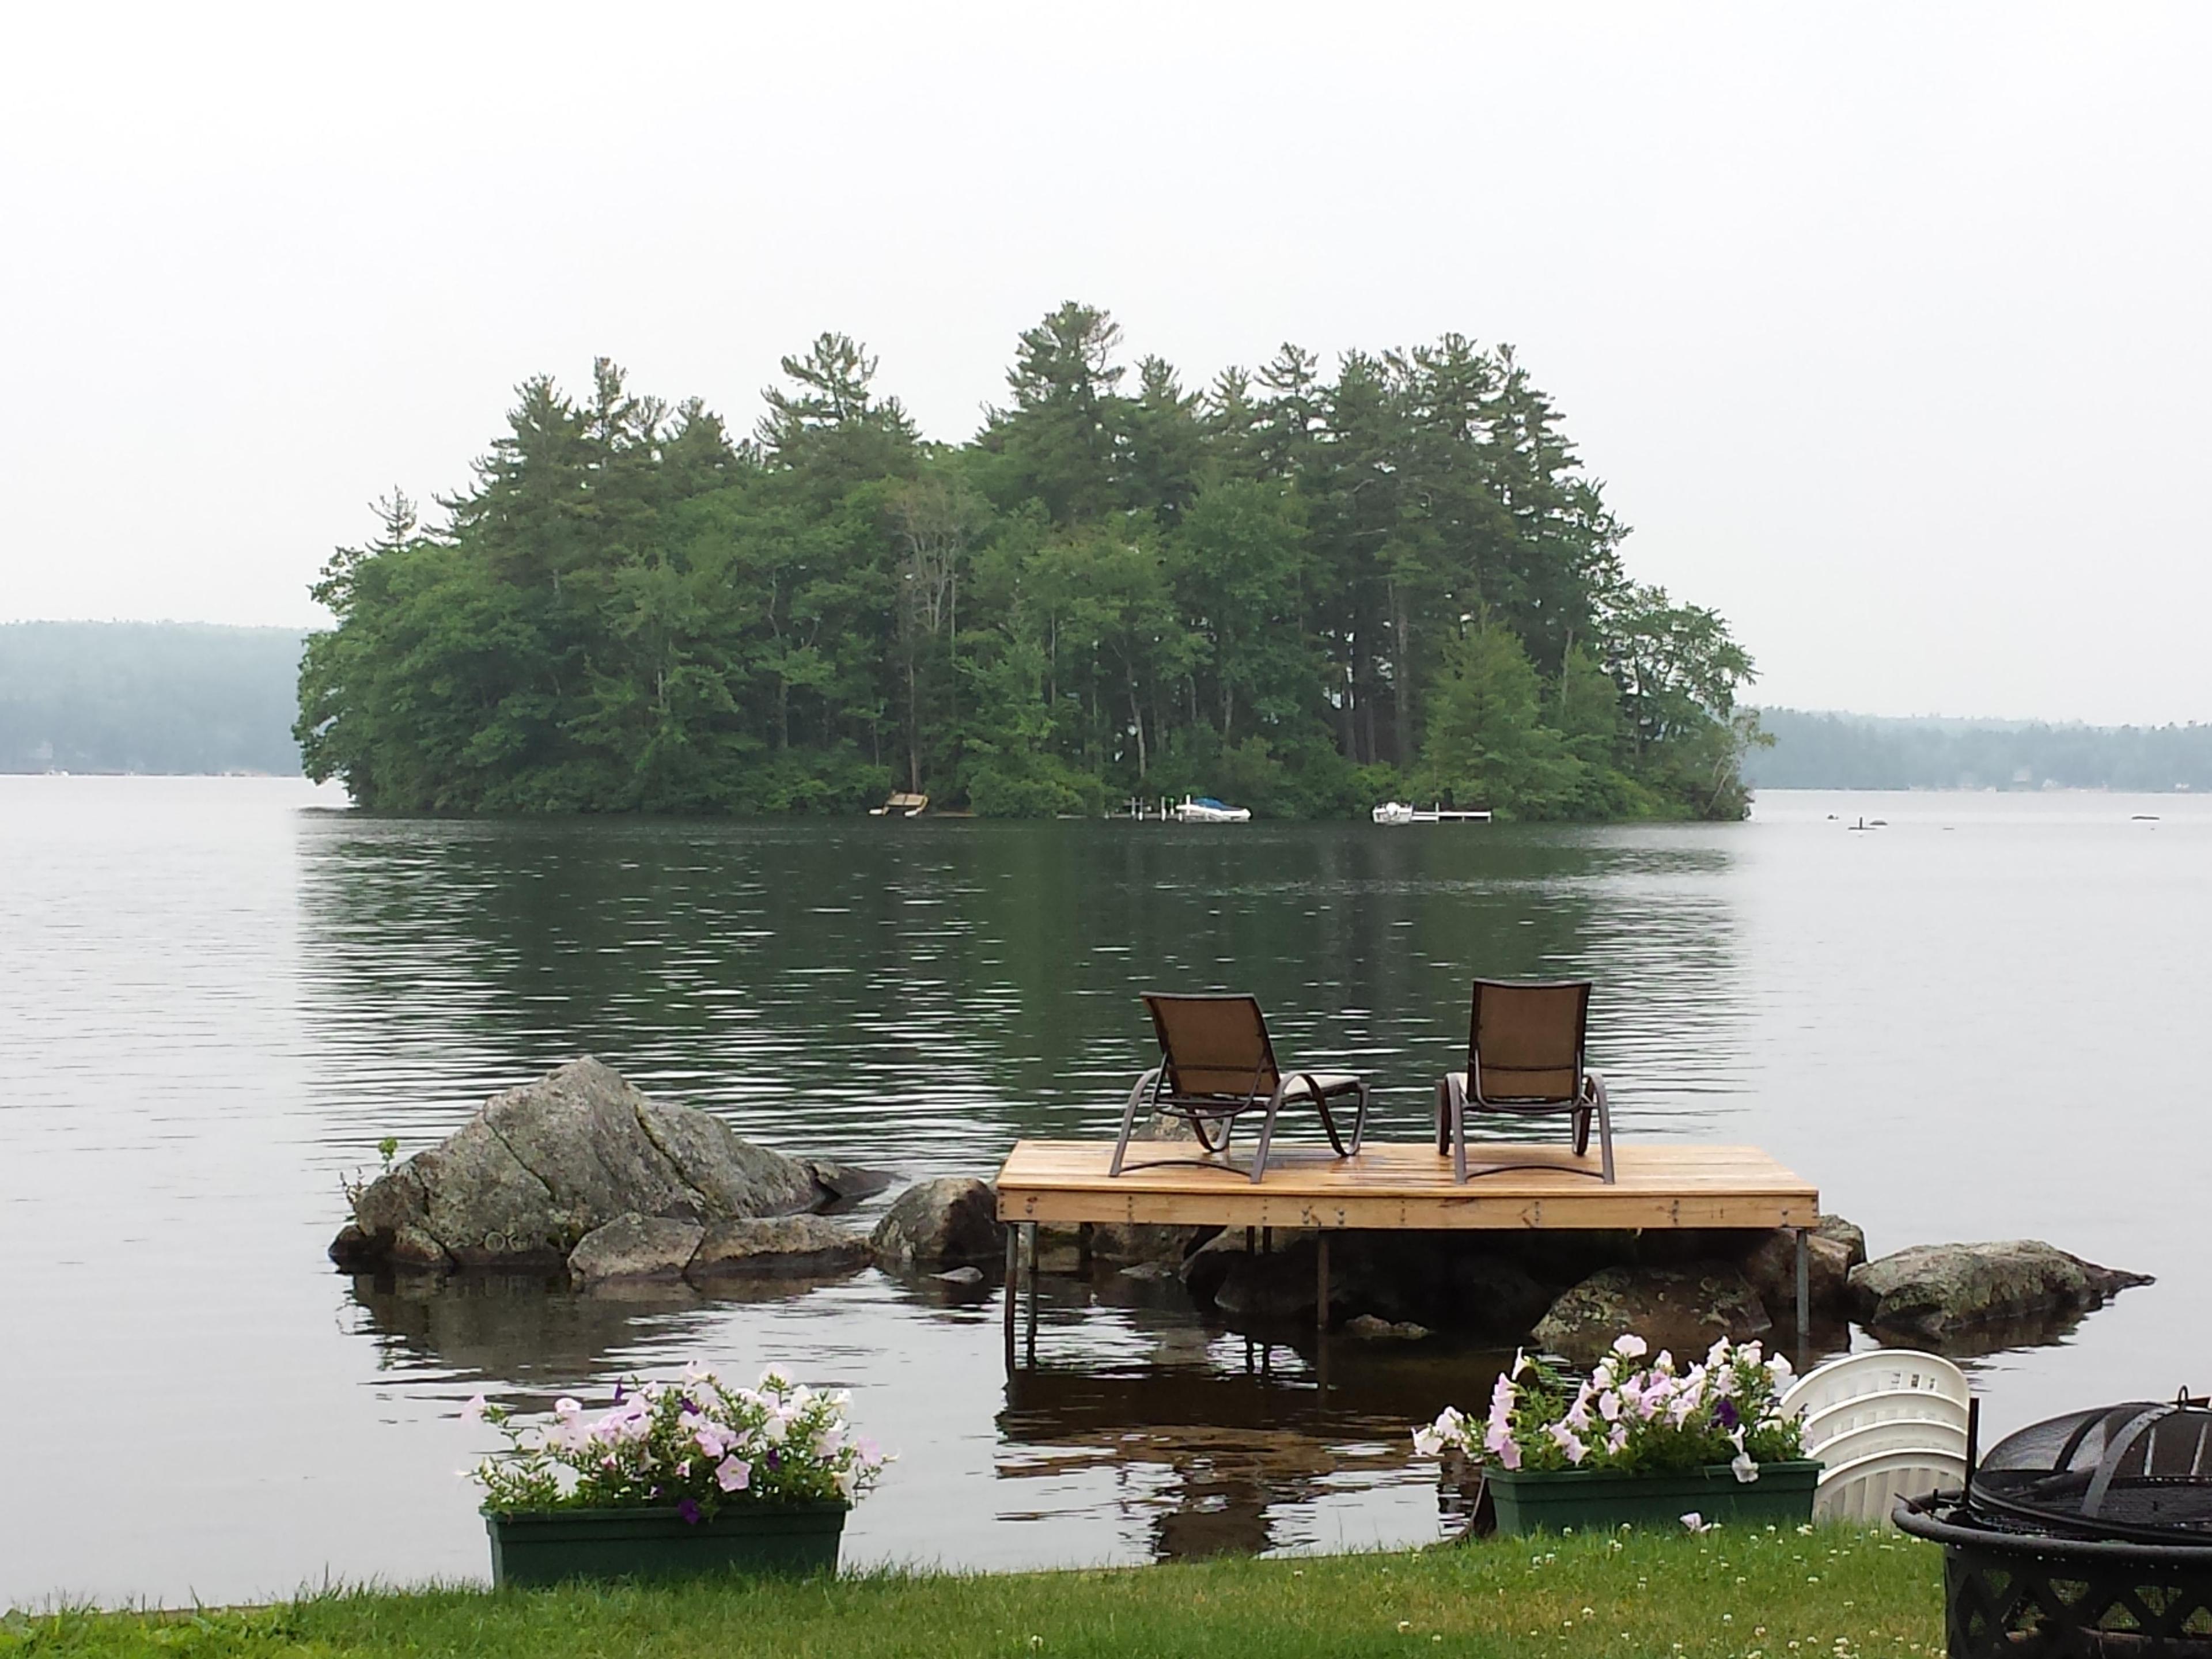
(1457, 1092)
(1161, 1094)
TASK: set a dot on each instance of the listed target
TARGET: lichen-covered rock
(539, 1167)
(1931, 1289)
(804, 1244)
(1849, 1234)
(483, 1204)
(634, 1247)
(413, 1248)
(1771, 1268)
(1681, 1308)
(941, 1223)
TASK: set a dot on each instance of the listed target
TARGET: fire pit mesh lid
(2141, 1469)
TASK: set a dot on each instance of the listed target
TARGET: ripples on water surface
(1980, 1021)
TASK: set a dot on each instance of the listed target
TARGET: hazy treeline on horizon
(173, 697)
(1868, 751)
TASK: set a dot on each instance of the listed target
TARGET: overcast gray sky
(1886, 325)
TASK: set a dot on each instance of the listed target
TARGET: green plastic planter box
(1555, 1500)
(788, 1539)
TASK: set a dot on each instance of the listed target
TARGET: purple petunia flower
(774, 1459)
(1724, 1410)
(689, 1511)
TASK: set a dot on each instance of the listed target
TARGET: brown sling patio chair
(1217, 1063)
(1524, 1055)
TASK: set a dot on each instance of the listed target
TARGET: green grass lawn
(1783, 1594)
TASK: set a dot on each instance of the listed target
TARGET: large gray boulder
(1930, 1291)
(540, 1167)
(942, 1223)
(1681, 1308)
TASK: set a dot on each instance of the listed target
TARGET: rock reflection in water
(522, 1332)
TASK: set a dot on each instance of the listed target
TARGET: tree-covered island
(1302, 593)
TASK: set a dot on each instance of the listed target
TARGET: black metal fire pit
(2088, 1535)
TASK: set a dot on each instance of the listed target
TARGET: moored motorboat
(1206, 809)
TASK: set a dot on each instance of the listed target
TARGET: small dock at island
(1398, 1186)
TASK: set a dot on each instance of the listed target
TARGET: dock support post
(1030, 1338)
(1321, 1313)
(1804, 1293)
(1013, 1286)
(1321, 1283)
(1083, 1246)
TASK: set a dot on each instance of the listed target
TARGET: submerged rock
(1931, 1289)
(1683, 1307)
(1368, 1327)
(1459, 1281)
(942, 1223)
(1151, 1272)
(846, 1183)
(540, 1167)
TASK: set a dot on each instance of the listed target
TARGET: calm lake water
(1985, 1019)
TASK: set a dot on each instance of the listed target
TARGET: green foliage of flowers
(1755, 1593)
(1656, 1418)
(694, 1446)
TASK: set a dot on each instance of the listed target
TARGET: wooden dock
(1398, 1186)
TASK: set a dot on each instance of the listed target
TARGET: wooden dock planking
(1396, 1185)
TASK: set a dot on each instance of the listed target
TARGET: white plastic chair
(1864, 1490)
(1888, 1406)
(1886, 1424)
(1894, 1435)
(1885, 1371)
